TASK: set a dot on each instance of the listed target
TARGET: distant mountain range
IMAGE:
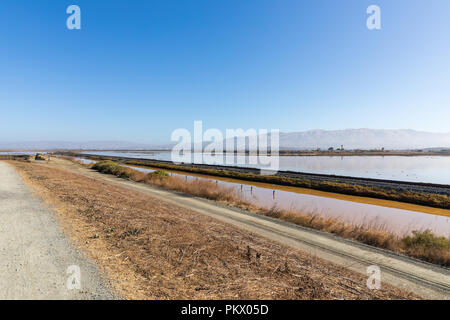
(364, 139)
(69, 145)
(312, 139)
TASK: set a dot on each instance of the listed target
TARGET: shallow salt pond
(430, 169)
(398, 221)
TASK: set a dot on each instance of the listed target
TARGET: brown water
(398, 221)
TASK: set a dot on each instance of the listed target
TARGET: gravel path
(34, 254)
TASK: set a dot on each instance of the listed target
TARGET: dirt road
(422, 278)
(35, 256)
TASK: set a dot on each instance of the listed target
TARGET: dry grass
(422, 245)
(199, 188)
(152, 249)
(427, 199)
(371, 235)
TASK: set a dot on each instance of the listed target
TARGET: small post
(274, 194)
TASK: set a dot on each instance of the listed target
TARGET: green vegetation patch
(426, 239)
(110, 167)
(159, 174)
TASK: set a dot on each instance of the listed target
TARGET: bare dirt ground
(34, 253)
(157, 250)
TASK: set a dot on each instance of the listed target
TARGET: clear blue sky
(139, 69)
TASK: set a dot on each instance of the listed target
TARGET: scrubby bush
(159, 174)
(111, 167)
(426, 239)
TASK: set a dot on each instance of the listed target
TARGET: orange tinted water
(396, 220)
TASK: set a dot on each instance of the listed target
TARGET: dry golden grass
(152, 249)
(435, 250)
(420, 198)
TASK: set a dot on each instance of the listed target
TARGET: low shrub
(110, 167)
(426, 239)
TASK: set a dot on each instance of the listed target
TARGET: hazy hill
(96, 145)
(364, 139)
(313, 139)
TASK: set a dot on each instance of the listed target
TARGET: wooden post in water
(274, 194)
(251, 190)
